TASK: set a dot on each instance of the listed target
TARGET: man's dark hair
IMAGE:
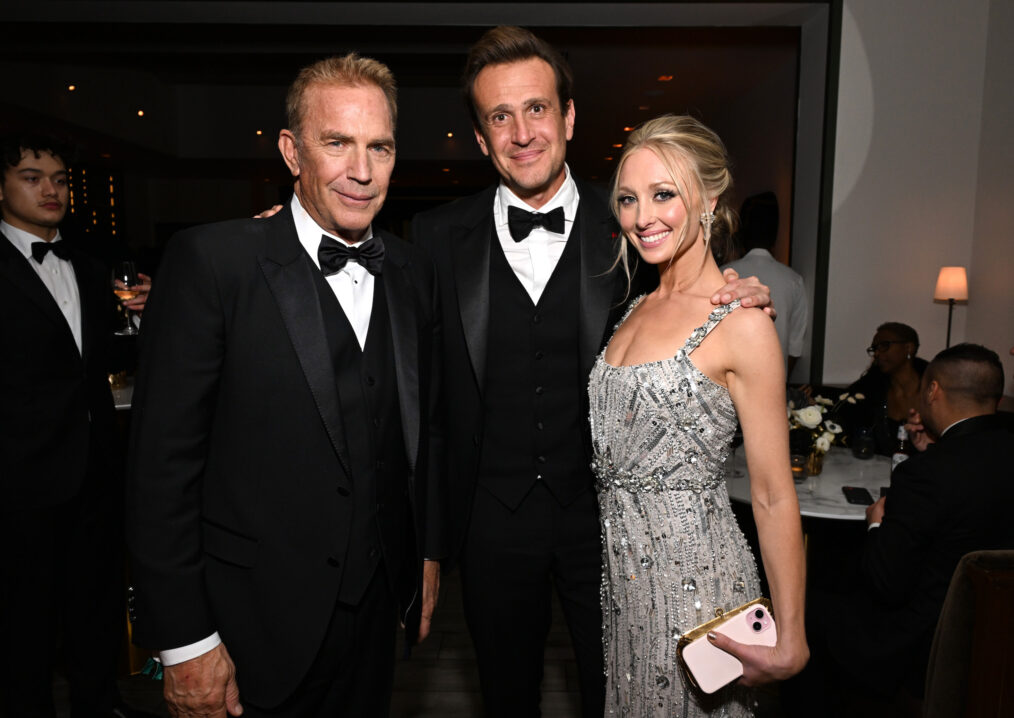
(505, 44)
(13, 148)
(758, 221)
(970, 370)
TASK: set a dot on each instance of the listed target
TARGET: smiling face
(34, 194)
(651, 208)
(344, 158)
(523, 128)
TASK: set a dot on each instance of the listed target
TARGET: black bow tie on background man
(39, 250)
(333, 255)
(521, 222)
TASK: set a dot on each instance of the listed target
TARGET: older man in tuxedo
(529, 290)
(282, 486)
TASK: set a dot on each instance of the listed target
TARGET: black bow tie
(39, 250)
(333, 255)
(521, 222)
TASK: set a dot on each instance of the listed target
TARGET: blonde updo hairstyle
(698, 163)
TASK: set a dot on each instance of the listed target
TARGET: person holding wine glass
(60, 463)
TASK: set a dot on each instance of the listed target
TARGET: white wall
(922, 156)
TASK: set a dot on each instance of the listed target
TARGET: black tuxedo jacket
(943, 503)
(54, 400)
(239, 479)
(459, 236)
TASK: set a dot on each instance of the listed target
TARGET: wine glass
(125, 283)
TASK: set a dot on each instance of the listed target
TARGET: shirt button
(542, 459)
(538, 390)
(538, 425)
(539, 355)
(538, 477)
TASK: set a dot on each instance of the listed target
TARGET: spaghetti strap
(717, 314)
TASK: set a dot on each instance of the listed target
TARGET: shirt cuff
(872, 526)
(184, 653)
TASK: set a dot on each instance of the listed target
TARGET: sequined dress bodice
(672, 550)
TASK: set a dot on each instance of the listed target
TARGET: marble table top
(821, 496)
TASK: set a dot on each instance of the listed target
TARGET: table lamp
(952, 286)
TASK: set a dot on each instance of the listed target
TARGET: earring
(908, 356)
(707, 218)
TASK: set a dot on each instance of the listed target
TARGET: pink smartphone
(710, 667)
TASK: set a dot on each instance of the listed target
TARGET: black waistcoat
(533, 427)
(374, 443)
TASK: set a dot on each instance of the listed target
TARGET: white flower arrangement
(816, 418)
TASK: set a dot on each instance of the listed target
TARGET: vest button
(539, 355)
(475, 439)
(536, 319)
(538, 390)
(342, 491)
(333, 562)
(538, 425)
(541, 459)
(370, 381)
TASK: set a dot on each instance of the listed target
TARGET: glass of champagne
(125, 283)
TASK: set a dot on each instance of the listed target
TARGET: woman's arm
(756, 380)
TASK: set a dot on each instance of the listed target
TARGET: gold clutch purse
(709, 668)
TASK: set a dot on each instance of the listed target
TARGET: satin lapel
(87, 293)
(15, 268)
(289, 277)
(470, 247)
(401, 308)
(597, 292)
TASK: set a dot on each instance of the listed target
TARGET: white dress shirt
(534, 258)
(353, 287)
(57, 274)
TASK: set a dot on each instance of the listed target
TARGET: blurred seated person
(757, 234)
(952, 498)
(890, 386)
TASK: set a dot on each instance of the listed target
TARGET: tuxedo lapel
(401, 308)
(90, 303)
(598, 285)
(290, 279)
(16, 269)
(470, 247)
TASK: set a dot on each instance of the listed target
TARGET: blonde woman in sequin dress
(664, 398)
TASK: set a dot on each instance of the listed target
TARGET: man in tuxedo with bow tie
(282, 487)
(529, 290)
(61, 557)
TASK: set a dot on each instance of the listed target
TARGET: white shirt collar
(309, 232)
(23, 240)
(566, 197)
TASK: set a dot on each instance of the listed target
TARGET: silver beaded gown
(672, 549)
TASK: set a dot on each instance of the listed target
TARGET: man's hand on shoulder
(203, 687)
(269, 212)
(749, 291)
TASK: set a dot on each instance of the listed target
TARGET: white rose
(822, 400)
(827, 435)
(832, 427)
(823, 444)
(808, 416)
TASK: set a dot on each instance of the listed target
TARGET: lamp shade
(952, 283)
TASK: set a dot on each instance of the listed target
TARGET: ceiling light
(140, 113)
(259, 133)
(450, 134)
(644, 107)
(628, 129)
(665, 78)
(609, 159)
(71, 87)
(446, 169)
(618, 145)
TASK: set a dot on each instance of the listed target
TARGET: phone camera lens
(757, 625)
(759, 613)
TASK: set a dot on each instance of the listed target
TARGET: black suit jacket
(239, 477)
(53, 397)
(459, 236)
(943, 503)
